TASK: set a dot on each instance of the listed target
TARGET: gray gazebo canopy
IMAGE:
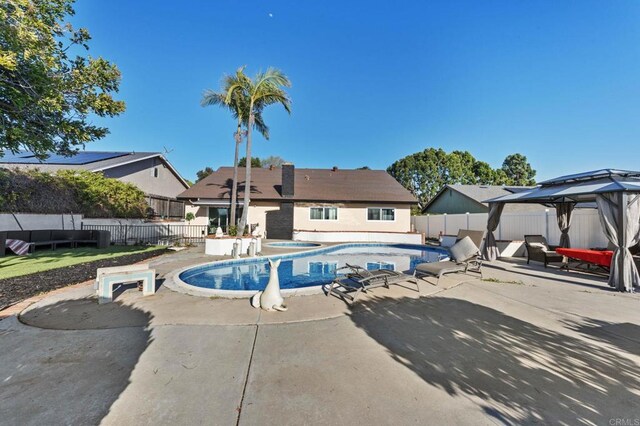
(617, 195)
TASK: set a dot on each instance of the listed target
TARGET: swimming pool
(292, 244)
(302, 271)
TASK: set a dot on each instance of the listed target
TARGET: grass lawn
(14, 266)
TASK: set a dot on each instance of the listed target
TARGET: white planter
(224, 246)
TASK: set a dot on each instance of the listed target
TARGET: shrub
(69, 191)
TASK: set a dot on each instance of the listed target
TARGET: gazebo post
(622, 240)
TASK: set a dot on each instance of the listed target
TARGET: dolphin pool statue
(270, 299)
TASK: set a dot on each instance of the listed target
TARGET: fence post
(428, 226)
(445, 224)
(546, 224)
(467, 220)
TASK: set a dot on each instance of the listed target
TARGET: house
(306, 200)
(149, 171)
(460, 199)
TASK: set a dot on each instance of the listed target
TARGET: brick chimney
(288, 179)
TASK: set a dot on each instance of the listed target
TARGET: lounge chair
(359, 280)
(539, 250)
(465, 257)
(476, 236)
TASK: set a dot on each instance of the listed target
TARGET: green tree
(425, 173)
(518, 170)
(255, 162)
(265, 89)
(485, 175)
(272, 160)
(422, 173)
(364, 168)
(238, 105)
(201, 174)
(46, 96)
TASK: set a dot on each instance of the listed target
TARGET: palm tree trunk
(234, 185)
(247, 180)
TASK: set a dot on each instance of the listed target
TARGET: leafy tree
(238, 105)
(364, 168)
(518, 170)
(265, 89)
(255, 162)
(422, 173)
(272, 160)
(485, 175)
(201, 174)
(46, 96)
(425, 173)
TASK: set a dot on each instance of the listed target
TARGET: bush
(69, 191)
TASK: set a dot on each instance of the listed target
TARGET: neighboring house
(287, 199)
(460, 199)
(149, 171)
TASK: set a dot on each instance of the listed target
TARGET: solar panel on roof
(82, 157)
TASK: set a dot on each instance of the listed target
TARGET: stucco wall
(140, 174)
(201, 214)
(257, 213)
(352, 217)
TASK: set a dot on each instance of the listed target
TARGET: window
(323, 213)
(323, 268)
(376, 213)
(374, 266)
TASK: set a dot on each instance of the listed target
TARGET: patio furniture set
(23, 242)
(464, 257)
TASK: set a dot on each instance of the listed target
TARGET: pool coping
(173, 281)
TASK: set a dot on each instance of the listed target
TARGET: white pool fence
(585, 226)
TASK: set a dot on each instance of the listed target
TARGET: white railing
(585, 226)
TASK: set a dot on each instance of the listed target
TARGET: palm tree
(265, 89)
(239, 107)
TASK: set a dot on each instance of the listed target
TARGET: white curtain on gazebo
(623, 276)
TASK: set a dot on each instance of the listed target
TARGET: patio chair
(465, 257)
(360, 280)
(539, 250)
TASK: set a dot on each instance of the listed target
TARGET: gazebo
(617, 196)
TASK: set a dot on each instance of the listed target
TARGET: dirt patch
(15, 289)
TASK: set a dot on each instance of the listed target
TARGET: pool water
(307, 269)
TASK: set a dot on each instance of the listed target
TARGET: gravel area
(16, 289)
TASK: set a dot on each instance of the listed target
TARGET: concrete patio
(524, 345)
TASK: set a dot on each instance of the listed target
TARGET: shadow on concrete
(625, 335)
(85, 314)
(69, 377)
(554, 274)
(516, 371)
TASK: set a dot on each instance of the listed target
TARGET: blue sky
(557, 81)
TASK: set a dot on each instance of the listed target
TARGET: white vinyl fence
(585, 226)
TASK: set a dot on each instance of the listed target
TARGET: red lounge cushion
(597, 257)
